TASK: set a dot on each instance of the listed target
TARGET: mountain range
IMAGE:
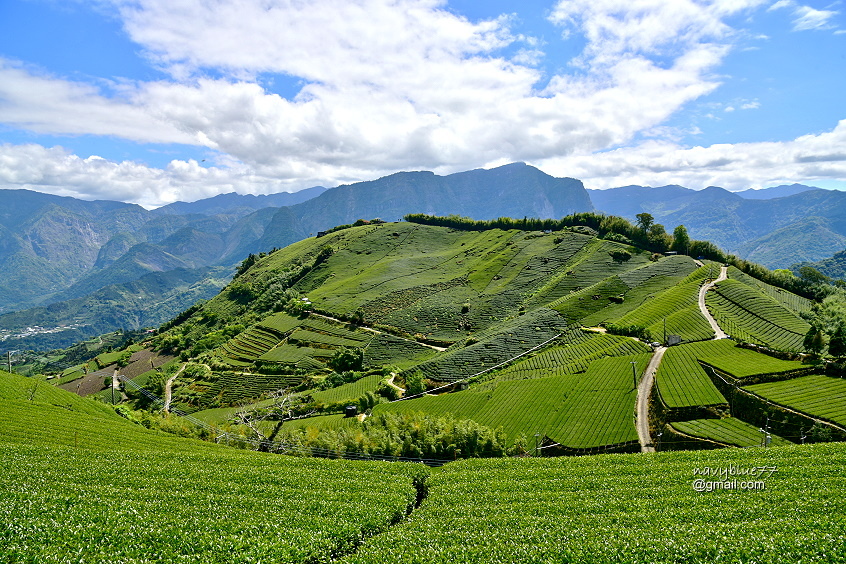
(96, 266)
(62, 249)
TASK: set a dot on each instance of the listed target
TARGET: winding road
(168, 386)
(718, 333)
(644, 389)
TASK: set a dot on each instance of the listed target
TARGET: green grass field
(627, 508)
(80, 483)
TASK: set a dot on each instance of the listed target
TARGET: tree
(837, 342)
(681, 240)
(620, 256)
(644, 221)
(283, 408)
(347, 359)
(812, 275)
(814, 341)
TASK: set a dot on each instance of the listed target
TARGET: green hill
(530, 331)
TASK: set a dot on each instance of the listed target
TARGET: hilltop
(523, 327)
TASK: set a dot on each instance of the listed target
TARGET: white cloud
(57, 171)
(733, 166)
(808, 18)
(385, 85)
(46, 104)
(389, 84)
(805, 17)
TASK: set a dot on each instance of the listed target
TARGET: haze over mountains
(101, 265)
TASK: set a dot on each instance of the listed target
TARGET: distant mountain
(147, 301)
(775, 192)
(54, 248)
(61, 250)
(834, 267)
(776, 232)
(514, 190)
(240, 204)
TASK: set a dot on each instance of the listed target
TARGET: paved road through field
(718, 333)
(169, 385)
(644, 390)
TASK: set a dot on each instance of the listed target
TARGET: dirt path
(439, 349)
(167, 391)
(718, 333)
(390, 382)
(644, 389)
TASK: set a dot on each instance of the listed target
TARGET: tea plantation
(527, 331)
(81, 484)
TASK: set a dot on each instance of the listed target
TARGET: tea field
(629, 508)
(817, 395)
(80, 483)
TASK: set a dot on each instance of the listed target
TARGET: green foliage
(415, 383)
(410, 435)
(644, 221)
(681, 240)
(620, 256)
(814, 341)
(837, 342)
(347, 359)
(811, 275)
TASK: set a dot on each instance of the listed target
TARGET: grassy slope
(157, 498)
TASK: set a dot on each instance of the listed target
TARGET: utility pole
(536, 444)
(9, 360)
(665, 331)
(634, 375)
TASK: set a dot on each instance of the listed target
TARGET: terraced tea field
(820, 396)
(78, 465)
(624, 508)
(576, 355)
(727, 431)
(760, 318)
(579, 411)
(681, 380)
(740, 363)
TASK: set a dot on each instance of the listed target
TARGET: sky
(154, 101)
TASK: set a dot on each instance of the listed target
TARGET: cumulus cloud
(383, 85)
(735, 166)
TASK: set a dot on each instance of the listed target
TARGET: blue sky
(153, 101)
